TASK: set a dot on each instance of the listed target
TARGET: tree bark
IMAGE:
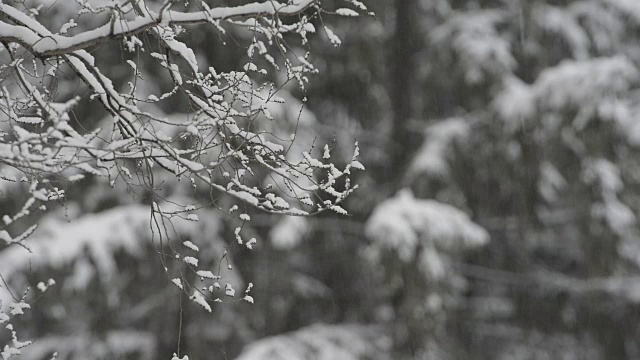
(402, 62)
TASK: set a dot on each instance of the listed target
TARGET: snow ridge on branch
(30, 35)
(224, 144)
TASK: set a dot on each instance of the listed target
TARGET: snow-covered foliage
(590, 86)
(16, 307)
(431, 158)
(322, 342)
(515, 104)
(50, 73)
(221, 125)
(288, 232)
(618, 216)
(580, 84)
(476, 43)
(514, 121)
(550, 167)
(404, 223)
(59, 243)
(559, 346)
(116, 344)
(101, 236)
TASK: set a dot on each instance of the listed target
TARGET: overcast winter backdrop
(497, 217)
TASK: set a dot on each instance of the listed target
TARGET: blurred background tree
(497, 218)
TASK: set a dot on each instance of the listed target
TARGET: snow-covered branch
(225, 140)
(31, 35)
(226, 105)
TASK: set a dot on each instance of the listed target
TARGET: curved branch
(53, 45)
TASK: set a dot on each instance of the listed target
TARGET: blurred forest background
(497, 218)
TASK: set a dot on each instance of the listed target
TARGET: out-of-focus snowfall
(497, 217)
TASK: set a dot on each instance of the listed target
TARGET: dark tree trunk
(402, 63)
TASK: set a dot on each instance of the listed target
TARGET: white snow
(617, 215)
(190, 260)
(323, 342)
(199, 299)
(206, 274)
(564, 24)
(477, 43)
(288, 232)
(515, 103)
(190, 245)
(584, 83)
(52, 44)
(551, 181)
(58, 243)
(346, 12)
(431, 158)
(403, 222)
